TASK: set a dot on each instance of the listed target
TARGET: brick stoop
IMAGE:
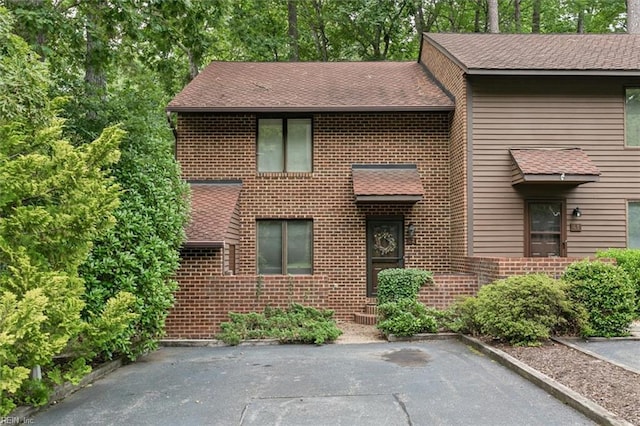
(369, 316)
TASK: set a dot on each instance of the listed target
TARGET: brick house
(491, 155)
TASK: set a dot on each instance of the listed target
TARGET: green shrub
(406, 317)
(296, 324)
(607, 294)
(525, 309)
(629, 260)
(396, 283)
(461, 316)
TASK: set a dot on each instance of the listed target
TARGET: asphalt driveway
(427, 383)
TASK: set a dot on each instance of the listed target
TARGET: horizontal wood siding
(545, 113)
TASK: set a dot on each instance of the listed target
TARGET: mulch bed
(610, 386)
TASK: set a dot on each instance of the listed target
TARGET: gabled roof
(559, 166)
(212, 207)
(386, 183)
(541, 54)
(311, 87)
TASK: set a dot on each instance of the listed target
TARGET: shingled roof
(386, 183)
(572, 54)
(311, 87)
(212, 208)
(560, 166)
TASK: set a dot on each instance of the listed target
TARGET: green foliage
(296, 324)
(141, 253)
(397, 283)
(55, 199)
(406, 317)
(607, 294)
(629, 260)
(523, 310)
(461, 316)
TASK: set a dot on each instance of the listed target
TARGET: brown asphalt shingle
(552, 52)
(212, 207)
(569, 161)
(311, 87)
(386, 180)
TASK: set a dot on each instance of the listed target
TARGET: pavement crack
(404, 408)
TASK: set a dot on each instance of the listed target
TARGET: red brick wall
(202, 303)
(447, 288)
(453, 79)
(223, 147)
(489, 269)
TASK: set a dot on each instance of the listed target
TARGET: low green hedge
(397, 283)
(296, 324)
(629, 260)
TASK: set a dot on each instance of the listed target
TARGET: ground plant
(406, 317)
(522, 310)
(607, 294)
(295, 324)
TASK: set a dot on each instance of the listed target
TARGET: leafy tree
(141, 254)
(54, 200)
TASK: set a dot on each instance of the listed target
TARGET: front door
(385, 249)
(546, 228)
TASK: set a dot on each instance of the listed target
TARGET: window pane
(632, 117)
(299, 247)
(545, 217)
(299, 145)
(634, 224)
(270, 247)
(270, 145)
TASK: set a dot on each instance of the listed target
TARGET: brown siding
(526, 112)
(453, 79)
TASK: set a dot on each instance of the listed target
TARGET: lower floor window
(285, 247)
(634, 224)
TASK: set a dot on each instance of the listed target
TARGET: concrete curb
(578, 402)
(422, 336)
(567, 342)
(62, 391)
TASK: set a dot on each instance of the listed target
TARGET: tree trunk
(318, 30)
(517, 16)
(580, 27)
(535, 17)
(294, 54)
(418, 16)
(633, 16)
(94, 73)
(494, 19)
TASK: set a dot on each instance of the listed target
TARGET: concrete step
(365, 319)
(371, 309)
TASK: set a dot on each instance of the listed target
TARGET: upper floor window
(284, 145)
(633, 224)
(285, 247)
(632, 116)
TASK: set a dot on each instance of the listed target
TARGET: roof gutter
(276, 108)
(569, 73)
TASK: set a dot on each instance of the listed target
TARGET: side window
(284, 145)
(285, 247)
(633, 224)
(632, 117)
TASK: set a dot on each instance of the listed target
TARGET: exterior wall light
(411, 233)
(576, 212)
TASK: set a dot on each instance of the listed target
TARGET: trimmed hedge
(607, 294)
(397, 283)
(629, 260)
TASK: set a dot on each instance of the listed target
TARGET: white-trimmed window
(632, 117)
(285, 247)
(284, 145)
(633, 224)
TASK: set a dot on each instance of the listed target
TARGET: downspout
(469, 121)
(174, 130)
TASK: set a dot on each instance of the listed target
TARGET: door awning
(386, 183)
(213, 206)
(563, 166)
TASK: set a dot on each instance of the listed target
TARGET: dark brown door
(385, 249)
(546, 229)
